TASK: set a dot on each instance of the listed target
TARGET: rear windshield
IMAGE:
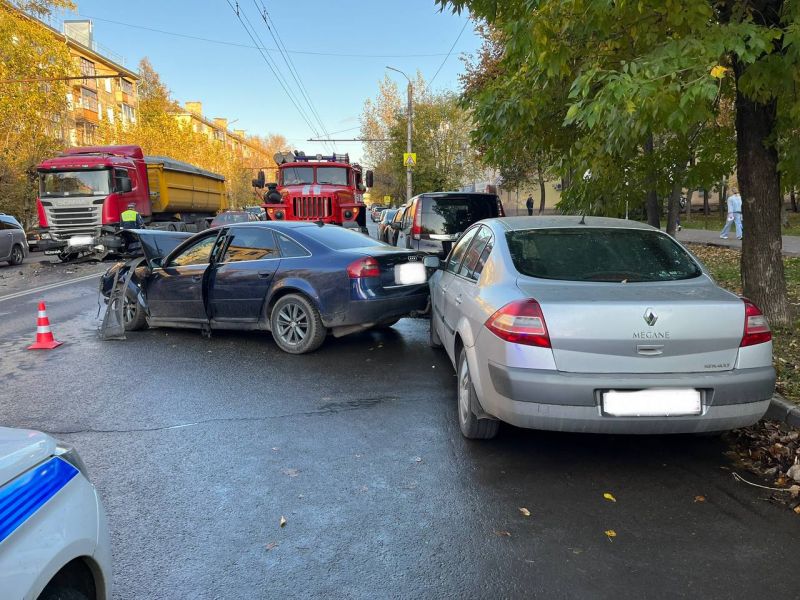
(597, 254)
(449, 215)
(339, 238)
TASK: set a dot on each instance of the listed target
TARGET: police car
(54, 542)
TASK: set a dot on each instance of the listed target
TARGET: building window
(89, 132)
(110, 115)
(89, 99)
(127, 86)
(108, 84)
(219, 135)
(128, 114)
(87, 67)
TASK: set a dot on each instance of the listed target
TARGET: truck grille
(75, 220)
(311, 207)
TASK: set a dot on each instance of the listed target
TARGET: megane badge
(650, 317)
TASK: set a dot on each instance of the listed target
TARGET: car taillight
(520, 322)
(756, 326)
(416, 225)
(363, 267)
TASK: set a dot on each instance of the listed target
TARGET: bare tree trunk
(793, 199)
(674, 205)
(706, 207)
(652, 204)
(759, 183)
(689, 198)
(542, 191)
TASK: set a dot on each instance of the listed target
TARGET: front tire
(17, 255)
(472, 427)
(133, 313)
(297, 325)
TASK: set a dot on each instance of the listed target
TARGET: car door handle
(197, 277)
(265, 274)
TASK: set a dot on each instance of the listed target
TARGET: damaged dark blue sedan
(298, 280)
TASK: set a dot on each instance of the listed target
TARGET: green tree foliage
(32, 113)
(440, 139)
(638, 93)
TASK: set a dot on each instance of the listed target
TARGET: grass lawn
(715, 223)
(724, 266)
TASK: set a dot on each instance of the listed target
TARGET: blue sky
(236, 83)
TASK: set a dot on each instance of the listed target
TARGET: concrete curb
(781, 409)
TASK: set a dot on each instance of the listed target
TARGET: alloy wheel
(293, 324)
(16, 255)
(128, 310)
(464, 385)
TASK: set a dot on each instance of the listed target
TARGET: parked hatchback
(595, 325)
(433, 221)
(13, 241)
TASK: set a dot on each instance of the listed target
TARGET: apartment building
(217, 129)
(107, 94)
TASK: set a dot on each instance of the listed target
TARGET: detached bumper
(542, 399)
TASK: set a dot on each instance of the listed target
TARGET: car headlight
(69, 454)
(46, 236)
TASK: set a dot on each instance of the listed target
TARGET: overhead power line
(448, 53)
(272, 27)
(253, 37)
(238, 45)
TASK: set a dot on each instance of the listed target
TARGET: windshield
(454, 214)
(597, 254)
(298, 175)
(332, 175)
(75, 183)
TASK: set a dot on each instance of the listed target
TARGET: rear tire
(17, 256)
(297, 325)
(472, 427)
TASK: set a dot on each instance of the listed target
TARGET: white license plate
(652, 403)
(80, 240)
(410, 273)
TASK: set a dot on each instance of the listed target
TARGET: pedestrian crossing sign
(410, 159)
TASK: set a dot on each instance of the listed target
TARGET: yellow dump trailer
(180, 188)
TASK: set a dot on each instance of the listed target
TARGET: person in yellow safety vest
(131, 219)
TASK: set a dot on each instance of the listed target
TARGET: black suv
(434, 220)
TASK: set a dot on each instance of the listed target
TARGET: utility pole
(409, 186)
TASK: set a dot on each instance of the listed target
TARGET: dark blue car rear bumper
(383, 308)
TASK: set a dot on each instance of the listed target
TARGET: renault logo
(650, 317)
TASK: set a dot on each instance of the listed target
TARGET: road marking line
(52, 286)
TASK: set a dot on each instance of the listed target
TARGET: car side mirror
(397, 225)
(369, 176)
(432, 262)
(258, 182)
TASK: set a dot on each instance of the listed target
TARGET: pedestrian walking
(131, 219)
(734, 214)
(529, 205)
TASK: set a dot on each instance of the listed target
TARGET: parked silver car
(13, 241)
(595, 325)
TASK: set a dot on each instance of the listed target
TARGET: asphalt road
(198, 447)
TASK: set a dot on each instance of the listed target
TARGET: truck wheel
(297, 325)
(133, 314)
(16, 255)
(472, 427)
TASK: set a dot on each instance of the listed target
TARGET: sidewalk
(791, 243)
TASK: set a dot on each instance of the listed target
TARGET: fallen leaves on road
(609, 496)
(796, 509)
(271, 546)
(525, 512)
(771, 450)
(503, 533)
(611, 534)
(283, 521)
(699, 498)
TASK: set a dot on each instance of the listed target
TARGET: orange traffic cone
(44, 337)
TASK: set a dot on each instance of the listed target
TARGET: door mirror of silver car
(432, 262)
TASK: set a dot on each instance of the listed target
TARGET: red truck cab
(329, 189)
(83, 192)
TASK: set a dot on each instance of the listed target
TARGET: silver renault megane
(595, 325)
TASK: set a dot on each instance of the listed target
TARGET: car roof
(278, 224)
(561, 221)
